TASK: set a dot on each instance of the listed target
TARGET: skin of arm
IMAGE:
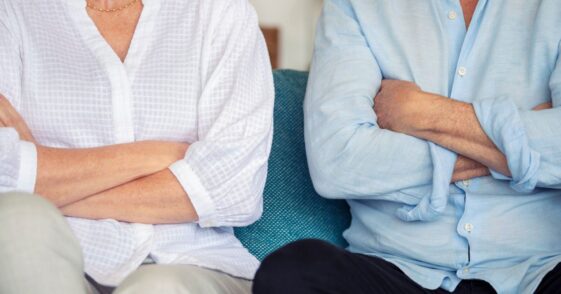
(155, 199)
(403, 107)
(65, 176)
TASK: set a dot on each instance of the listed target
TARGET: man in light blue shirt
(438, 121)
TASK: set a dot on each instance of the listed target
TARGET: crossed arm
(154, 199)
(127, 182)
(403, 107)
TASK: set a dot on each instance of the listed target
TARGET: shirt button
(462, 71)
(452, 15)
(468, 227)
(466, 270)
(466, 182)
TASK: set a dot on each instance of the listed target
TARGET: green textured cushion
(292, 208)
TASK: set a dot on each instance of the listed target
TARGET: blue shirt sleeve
(349, 156)
(530, 140)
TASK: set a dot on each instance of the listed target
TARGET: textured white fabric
(28, 159)
(197, 72)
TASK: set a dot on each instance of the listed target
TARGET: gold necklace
(91, 6)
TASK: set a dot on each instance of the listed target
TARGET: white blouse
(197, 71)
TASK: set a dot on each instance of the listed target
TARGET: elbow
(346, 172)
(328, 176)
(328, 185)
(253, 208)
(248, 212)
(250, 208)
(252, 215)
(249, 205)
(336, 158)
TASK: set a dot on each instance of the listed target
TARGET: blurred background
(289, 27)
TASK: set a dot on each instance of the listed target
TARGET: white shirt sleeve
(224, 172)
(18, 159)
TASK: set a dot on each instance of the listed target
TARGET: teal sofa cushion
(292, 210)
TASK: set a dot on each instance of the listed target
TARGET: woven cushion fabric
(292, 208)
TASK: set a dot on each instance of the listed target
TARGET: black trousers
(313, 266)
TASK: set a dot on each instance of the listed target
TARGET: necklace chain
(93, 7)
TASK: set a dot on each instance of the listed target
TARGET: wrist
(439, 115)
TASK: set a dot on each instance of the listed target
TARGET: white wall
(297, 21)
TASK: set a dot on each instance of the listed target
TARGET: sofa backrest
(292, 208)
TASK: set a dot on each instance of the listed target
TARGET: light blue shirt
(506, 231)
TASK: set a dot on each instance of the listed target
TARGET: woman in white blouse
(148, 124)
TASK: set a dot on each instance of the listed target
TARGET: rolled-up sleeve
(349, 155)
(530, 140)
(18, 159)
(224, 172)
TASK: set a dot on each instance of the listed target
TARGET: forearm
(454, 125)
(65, 176)
(467, 168)
(155, 199)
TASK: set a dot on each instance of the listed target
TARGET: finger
(21, 127)
(24, 132)
(8, 113)
(9, 117)
(4, 107)
(547, 105)
(385, 83)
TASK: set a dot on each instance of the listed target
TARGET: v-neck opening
(472, 14)
(134, 33)
(471, 30)
(93, 38)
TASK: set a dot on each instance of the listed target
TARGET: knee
(30, 219)
(284, 269)
(33, 229)
(26, 211)
(162, 279)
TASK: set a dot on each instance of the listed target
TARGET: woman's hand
(10, 118)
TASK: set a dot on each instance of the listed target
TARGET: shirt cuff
(197, 193)
(499, 176)
(501, 121)
(27, 175)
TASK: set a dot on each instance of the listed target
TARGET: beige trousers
(39, 254)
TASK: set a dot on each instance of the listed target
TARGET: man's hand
(543, 106)
(10, 118)
(467, 169)
(398, 105)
